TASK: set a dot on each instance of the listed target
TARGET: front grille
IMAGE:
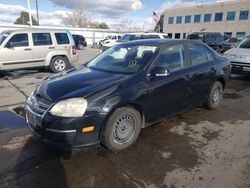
(38, 105)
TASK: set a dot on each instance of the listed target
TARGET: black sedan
(126, 88)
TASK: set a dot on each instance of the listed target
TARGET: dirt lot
(199, 148)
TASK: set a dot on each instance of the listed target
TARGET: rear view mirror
(159, 71)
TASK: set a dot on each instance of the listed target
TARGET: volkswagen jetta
(126, 88)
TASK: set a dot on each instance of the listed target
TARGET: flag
(156, 18)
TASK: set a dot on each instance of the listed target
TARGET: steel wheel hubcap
(216, 95)
(124, 129)
(59, 65)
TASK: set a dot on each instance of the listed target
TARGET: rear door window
(19, 40)
(197, 54)
(41, 39)
(62, 38)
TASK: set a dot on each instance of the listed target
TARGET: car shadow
(39, 165)
(28, 162)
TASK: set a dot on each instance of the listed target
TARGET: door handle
(187, 77)
(51, 47)
(27, 49)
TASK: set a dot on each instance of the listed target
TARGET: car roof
(205, 33)
(34, 30)
(158, 42)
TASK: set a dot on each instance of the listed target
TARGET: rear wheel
(122, 129)
(58, 64)
(215, 96)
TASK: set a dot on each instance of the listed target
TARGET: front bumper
(240, 67)
(65, 133)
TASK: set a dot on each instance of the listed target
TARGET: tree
(23, 19)
(159, 25)
(76, 18)
(103, 26)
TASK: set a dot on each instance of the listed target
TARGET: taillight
(74, 50)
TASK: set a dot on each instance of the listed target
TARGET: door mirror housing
(159, 72)
(9, 45)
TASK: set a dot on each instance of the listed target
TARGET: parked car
(240, 57)
(37, 48)
(80, 41)
(212, 39)
(109, 39)
(135, 36)
(232, 42)
(126, 88)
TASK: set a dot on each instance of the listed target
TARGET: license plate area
(33, 120)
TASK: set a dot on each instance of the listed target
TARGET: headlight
(74, 107)
(231, 56)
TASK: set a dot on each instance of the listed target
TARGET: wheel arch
(221, 80)
(128, 104)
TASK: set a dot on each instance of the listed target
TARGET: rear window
(40, 39)
(150, 36)
(62, 38)
(245, 43)
(194, 37)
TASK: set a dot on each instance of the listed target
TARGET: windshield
(3, 36)
(245, 43)
(194, 37)
(126, 38)
(124, 58)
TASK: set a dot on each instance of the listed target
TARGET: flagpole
(30, 17)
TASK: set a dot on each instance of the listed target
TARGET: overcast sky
(109, 11)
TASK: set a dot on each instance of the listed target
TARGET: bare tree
(77, 18)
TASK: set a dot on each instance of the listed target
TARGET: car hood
(238, 51)
(77, 83)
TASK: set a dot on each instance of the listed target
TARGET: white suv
(135, 36)
(109, 39)
(36, 48)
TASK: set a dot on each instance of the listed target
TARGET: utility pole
(30, 17)
(37, 15)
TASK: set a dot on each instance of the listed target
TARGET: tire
(58, 64)
(215, 96)
(80, 46)
(122, 129)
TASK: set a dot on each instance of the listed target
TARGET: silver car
(240, 57)
(37, 48)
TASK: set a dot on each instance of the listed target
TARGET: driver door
(170, 94)
(16, 53)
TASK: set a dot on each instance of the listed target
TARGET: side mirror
(159, 72)
(9, 45)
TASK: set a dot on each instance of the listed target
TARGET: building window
(218, 17)
(230, 16)
(207, 17)
(178, 19)
(244, 15)
(170, 35)
(197, 18)
(177, 35)
(188, 19)
(170, 20)
(240, 35)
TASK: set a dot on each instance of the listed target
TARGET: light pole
(30, 18)
(37, 15)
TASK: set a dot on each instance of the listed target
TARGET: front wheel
(122, 129)
(215, 96)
